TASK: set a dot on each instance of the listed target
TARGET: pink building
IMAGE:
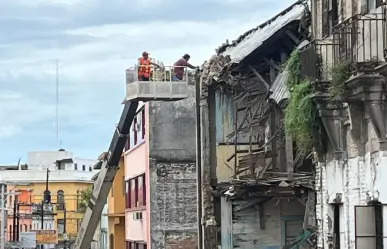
(23, 199)
(136, 176)
(160, 174)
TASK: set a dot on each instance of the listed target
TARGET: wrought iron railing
(316, 60)
(360, 38)
(164, 73)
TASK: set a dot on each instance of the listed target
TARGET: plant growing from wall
(340, 74)
(84, 198)
(300, 114)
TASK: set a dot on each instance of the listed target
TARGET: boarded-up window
(293, 229)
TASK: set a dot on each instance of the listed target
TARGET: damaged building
(258, 189)
(346, 66)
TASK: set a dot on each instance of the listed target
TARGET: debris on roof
(253, 38)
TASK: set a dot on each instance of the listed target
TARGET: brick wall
(172, 173)
(173, 205)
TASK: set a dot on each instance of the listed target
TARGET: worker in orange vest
(144, 67)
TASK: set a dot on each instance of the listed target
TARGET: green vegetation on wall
(340, 74)
(300, 114)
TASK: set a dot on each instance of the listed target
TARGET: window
(135, 192)
(30, 226)
(336, 226)
(329, 16)
(61, 166)
(84, 167)
(134, 245)
(369, 226)
(369, 5)
(76, 166)
(60, 226)
(78, 200)
(123, 186)
(90, 168)
(60, 200)
(137, 131)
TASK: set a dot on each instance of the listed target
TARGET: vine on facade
(300, 114)
(340, 74)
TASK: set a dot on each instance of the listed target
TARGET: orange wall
(25, 197)
(116, 199)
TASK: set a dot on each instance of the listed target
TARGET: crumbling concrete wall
(172, 173)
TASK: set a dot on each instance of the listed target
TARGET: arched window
(60, 200)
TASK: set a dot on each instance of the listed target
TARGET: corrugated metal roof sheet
(255, 39)
(279, 90)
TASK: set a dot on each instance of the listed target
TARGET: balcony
(47, 208)
(361, 41)
(160, 86)
(317, 60)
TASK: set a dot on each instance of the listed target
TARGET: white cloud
(91, 78)
(8, 131)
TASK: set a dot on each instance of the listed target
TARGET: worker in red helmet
(144, 67)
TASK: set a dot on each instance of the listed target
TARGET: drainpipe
(199, 166)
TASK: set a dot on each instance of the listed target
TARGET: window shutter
(324, 17)
(335, 13)
(364, 7)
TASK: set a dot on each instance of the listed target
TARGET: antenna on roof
(57, 103)
(18, 164)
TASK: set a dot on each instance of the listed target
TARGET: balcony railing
(160, 86)
(361, 38)
(317, 59)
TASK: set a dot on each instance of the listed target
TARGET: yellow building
(116, 209)
(66, 196)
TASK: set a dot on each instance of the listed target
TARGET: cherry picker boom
(157, 89)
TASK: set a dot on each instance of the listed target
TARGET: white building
(351, 173)
(62, 164)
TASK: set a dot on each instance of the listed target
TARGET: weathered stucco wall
(356, 180)
(241, 227)
(172, 173)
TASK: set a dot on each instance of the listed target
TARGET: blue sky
(94, 41)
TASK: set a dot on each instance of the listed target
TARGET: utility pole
(17, 221)
(14, 219)
(46, 198)
(199, 167)
(2, 217)
(64, 225)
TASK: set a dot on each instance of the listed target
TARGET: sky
(94, 41)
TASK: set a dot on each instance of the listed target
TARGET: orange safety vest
(144, 68)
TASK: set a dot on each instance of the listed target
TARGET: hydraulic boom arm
(105, 178)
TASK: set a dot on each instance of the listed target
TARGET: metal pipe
(199, 166)
(2, 216)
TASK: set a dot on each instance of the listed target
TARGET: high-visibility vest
(144, 68)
